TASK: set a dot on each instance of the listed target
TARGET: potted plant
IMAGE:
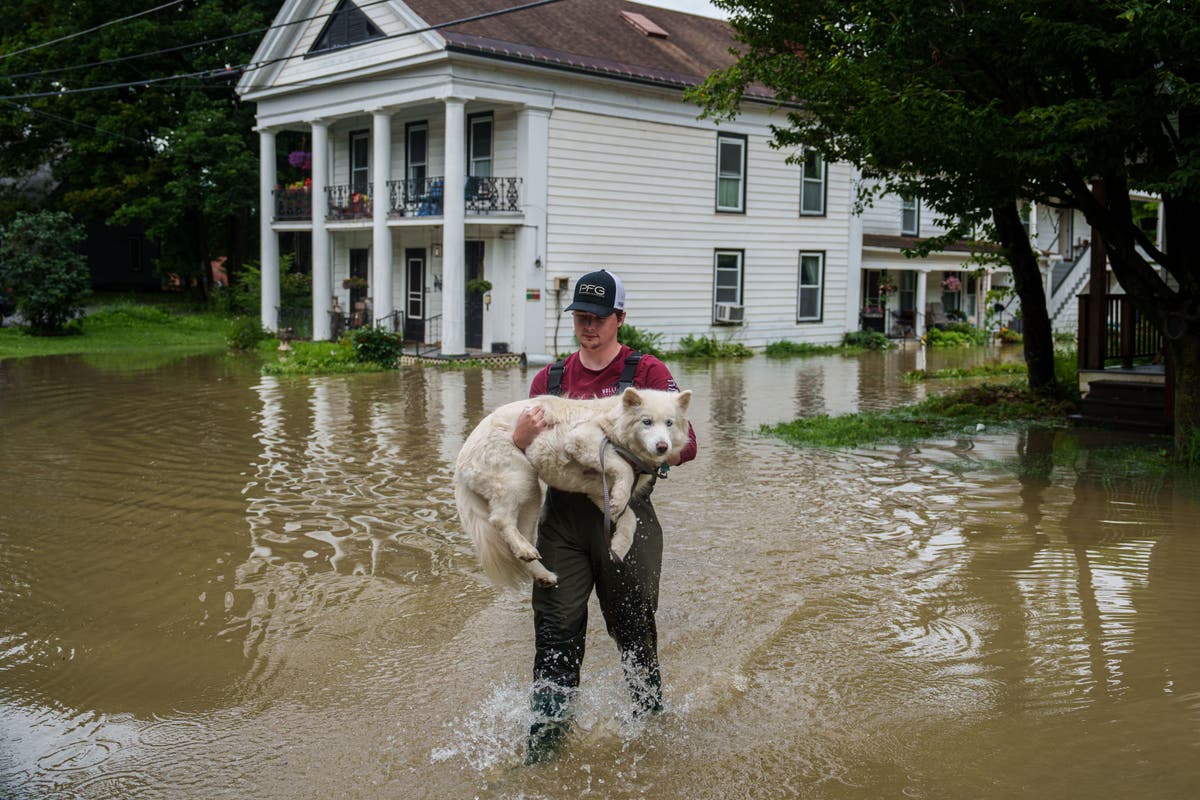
(479, 286)
(354, 283)
(952, 283)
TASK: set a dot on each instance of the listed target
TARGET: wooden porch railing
(1128, 334)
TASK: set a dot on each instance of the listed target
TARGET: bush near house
(958, 334)
(40, 263)
(643, 341)
(869, 340)
(711, 347)
(376, 346)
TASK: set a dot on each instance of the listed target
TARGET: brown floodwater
(215, 584)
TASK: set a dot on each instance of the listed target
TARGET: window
(360, 162)
(908, 290)
(479, 145)
(812, 184)
(727, 286)
(810, 291)
(731, 172)
(910, 216)
(347, 25)
(416, 144)
(1066, 234)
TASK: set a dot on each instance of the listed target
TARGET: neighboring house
(903, 296)
(528, 148)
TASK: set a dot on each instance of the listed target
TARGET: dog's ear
(631, 398)
(685, 397)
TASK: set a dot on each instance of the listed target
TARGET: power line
(90, 30)
(113, 134)
(230, 71)
(166, 50)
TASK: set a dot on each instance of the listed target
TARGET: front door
(474, 300)
(414, 295)
(359, 258)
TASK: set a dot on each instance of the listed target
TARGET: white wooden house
(451, 142)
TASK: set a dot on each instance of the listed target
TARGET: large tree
(93, 97)
(979, 105)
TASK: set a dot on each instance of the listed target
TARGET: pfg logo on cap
(593, 289)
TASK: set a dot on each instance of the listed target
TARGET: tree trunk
(1027, 280)
(1185, 359)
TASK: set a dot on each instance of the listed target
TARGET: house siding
(638, 197)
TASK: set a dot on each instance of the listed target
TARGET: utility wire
(90, 30)
(113, 134)
(166, 50)
(230, 71)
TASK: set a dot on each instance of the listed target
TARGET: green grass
(951, 373)
(949, 415)
(313, 358)
(128, 329)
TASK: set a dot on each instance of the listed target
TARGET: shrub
(711, 347)
(376, 346)
(958, 334)
(245, 295)
(41, 264)
(786, 349)
(246, 333)
(318, 358)
(868, 340)
(642, 341)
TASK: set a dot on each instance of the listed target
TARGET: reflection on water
(218, 584)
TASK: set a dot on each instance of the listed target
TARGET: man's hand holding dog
(531, 423)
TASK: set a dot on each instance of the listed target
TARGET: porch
(1123, 375)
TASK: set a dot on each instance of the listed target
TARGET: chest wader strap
(555, 375)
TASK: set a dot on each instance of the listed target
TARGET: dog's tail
(502, 568)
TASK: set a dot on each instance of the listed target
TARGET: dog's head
(652, 423)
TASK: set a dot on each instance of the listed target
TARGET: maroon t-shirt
(580, 382)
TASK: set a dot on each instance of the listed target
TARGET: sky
(701, 7)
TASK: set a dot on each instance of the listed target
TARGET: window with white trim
(360, 161)
(910, 216)
(416, 143)
(810, 290)
(731, 172)
(479, 135)
(812, 184)
(727, 285)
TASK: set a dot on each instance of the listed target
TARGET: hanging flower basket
(300, 159)
(952, 283)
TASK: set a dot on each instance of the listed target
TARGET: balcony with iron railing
(346, 202)
(405, 198)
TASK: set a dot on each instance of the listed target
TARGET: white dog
(595, 447)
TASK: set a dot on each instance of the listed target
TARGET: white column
(854, 252)
(454, 281)
(381, 237)
(919, 320)
(322, 286)
(533, 135)
(269, 247)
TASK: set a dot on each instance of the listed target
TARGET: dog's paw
(547, 580)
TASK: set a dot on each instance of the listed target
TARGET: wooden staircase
(1125, 404)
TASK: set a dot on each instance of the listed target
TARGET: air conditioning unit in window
(729, 314)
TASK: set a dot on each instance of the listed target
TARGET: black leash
(639, 467)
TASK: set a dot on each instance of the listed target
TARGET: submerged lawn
(951, 414)
(126, 329)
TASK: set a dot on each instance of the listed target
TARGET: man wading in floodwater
(571, 536)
